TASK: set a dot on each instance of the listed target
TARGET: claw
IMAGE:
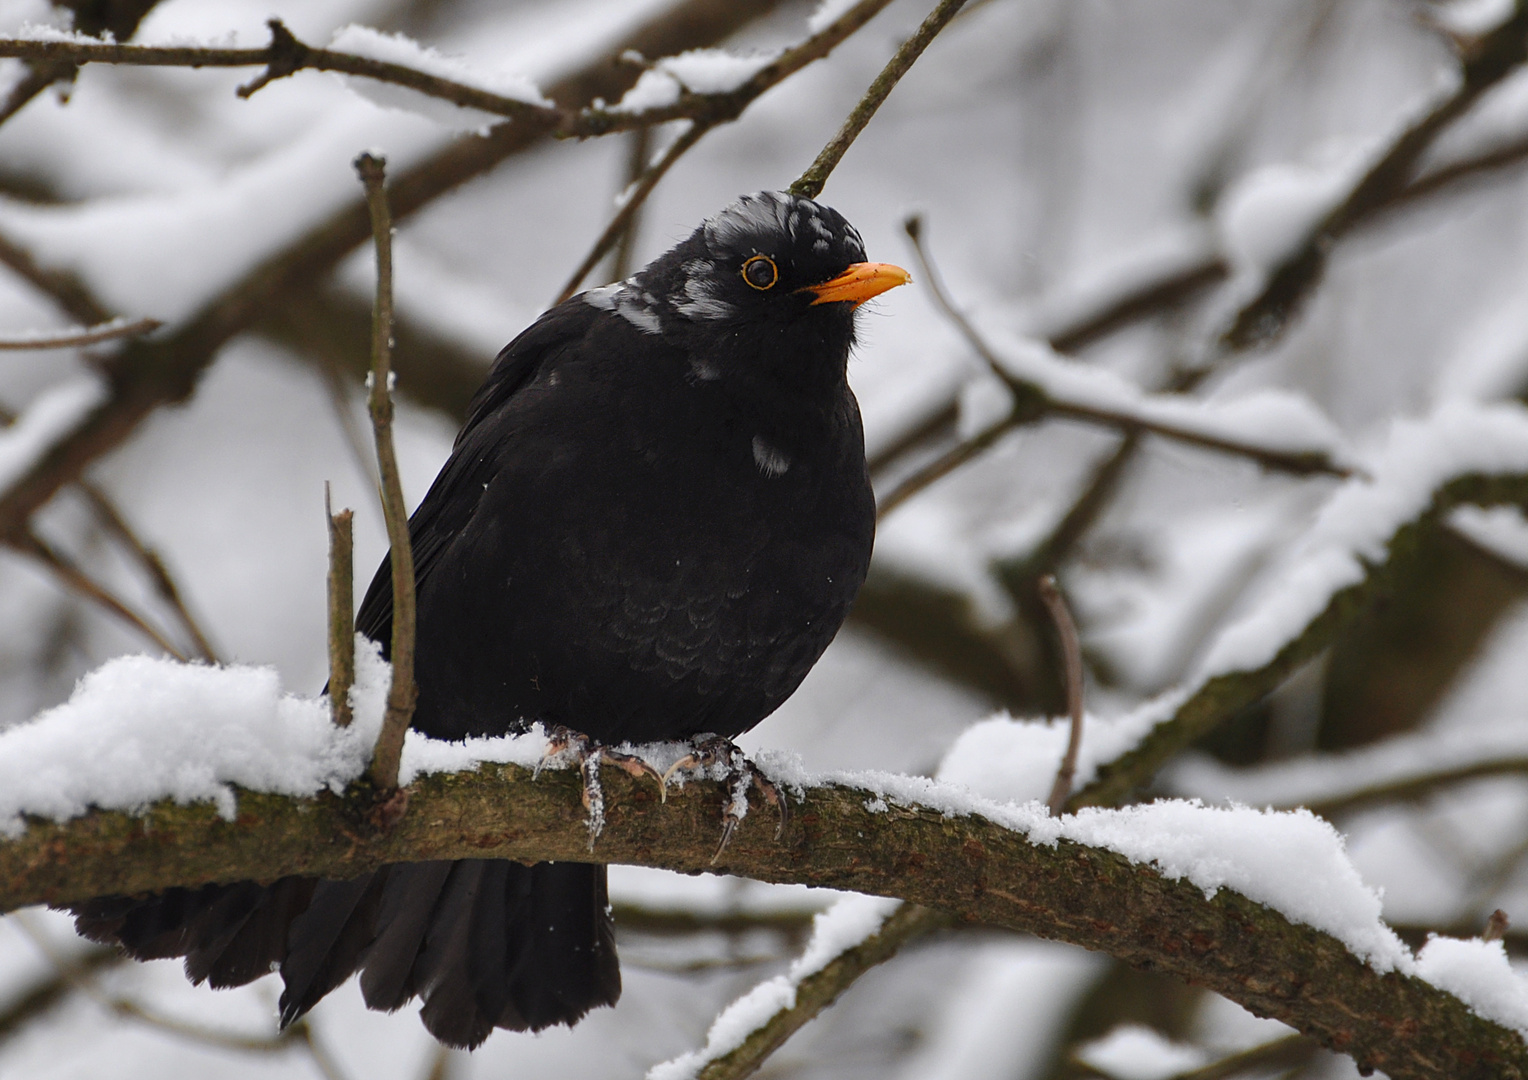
(590, 755)
(713, 750)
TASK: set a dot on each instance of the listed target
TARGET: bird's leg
(565, 743)
(713, 750)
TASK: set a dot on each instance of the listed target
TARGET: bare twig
(1032, 402)
(73, 339)
(1265, 317)
(633, 200)
(29, 543)
(1496, 927)
(286, 55)
(113, 521)
(639, 152)
(341, 612)
(150, 374)
(810, 183)
(66, 289)
(1071, 651)
(401, 695)
(80, 977)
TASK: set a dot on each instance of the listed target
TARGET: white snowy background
(1060, 151)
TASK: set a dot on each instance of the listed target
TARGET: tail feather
(324, 942)
(387, 981)
(485, 943)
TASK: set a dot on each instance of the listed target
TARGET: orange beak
(859, 283)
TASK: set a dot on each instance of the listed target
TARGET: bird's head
(776, 276)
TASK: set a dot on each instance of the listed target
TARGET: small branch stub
(1071, 649)
(341, 611)
(401, 697)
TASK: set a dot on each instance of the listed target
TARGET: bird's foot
(564, 744)
(711, 751)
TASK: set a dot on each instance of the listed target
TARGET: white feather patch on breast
(771, 462)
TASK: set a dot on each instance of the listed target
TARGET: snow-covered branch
(1173, 886)
(148, 375)
(1462, 455)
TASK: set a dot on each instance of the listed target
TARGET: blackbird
(650, 527)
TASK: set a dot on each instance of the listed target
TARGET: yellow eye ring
(760, 272)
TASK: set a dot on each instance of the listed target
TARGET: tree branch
(74, 339)
(965, 865)
(147, 375)
(810, 183)
(1223, 695)
(1264, 318)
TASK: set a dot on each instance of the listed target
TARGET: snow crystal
(1477, 973)
(139, 729)
(53, 415)
(1137, 1052)
(699, 71)
(399, 49)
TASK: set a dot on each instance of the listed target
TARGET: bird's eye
(760, 272)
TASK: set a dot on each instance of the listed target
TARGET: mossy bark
(968, 867)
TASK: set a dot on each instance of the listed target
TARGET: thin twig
(1290, 1051)
(350, 430)
(74, 339)
(403, 692)
(634, 199)
(1032, 402)
(1497, 925)
(810, 183)
(1071, 651)
(341, 611)
(1265, 317)
(67, 290)
(817, 991)
(166, 370)
(81, 979)
(639, 152)
(115, 524)
(29, 543)
(286, 55)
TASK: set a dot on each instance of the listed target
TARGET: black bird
(650, 527)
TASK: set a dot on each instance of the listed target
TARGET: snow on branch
(1463, 454)
(1398, 768)
(1261, 907)
(167, 368)
(708, 85)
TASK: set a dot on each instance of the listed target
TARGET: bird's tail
(485, 943)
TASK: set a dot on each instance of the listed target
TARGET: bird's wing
(453, 497)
